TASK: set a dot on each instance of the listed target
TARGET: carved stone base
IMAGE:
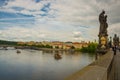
(101, 51)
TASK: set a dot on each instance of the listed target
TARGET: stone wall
(97, 70)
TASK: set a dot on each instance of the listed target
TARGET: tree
(90, 49)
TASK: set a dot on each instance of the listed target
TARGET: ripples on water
(40, 65)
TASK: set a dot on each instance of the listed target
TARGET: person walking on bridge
(114, 49)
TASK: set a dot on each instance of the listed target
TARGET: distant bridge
(18, 47)
(5, 47)
(8, 46)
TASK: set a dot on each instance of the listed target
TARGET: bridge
(115, 71)
(106, 67)
(14, 46)
(5, 47)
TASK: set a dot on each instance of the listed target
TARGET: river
(40, 65)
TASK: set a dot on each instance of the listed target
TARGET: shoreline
(46, 49)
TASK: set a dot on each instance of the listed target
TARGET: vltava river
(40, 65)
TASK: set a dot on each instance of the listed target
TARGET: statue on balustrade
(103, 36)
(103, 24)
(116, 40)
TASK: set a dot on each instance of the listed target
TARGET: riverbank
(51, 49)
(46, 49)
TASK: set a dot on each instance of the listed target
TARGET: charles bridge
(106, 67)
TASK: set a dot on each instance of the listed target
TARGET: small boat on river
(57, 56)
(18, 51)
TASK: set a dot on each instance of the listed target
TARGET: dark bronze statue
(103, 24)
(106, 26)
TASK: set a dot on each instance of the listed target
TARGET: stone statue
(103, 23)
(105, 26)
(103, 36)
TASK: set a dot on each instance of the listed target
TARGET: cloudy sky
(56, 20)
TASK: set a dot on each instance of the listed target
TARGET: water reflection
(40, 65)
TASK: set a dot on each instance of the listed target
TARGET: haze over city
(53, 20)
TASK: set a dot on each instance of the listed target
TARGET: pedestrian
(114, 49)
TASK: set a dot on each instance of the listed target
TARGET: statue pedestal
(101, 51)
(102, 47)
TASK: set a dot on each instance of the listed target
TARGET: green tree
(72, 47)
(90, 49)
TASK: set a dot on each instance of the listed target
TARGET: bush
(90, 49)
(48, 46)
(72, 47)
(43, 46)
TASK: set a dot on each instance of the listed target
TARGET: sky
(56, 20)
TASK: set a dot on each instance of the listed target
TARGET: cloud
(28, 7)
(19, 33)
(39, 32)
(60, 19)
(3, 2)
(114, 29)
(77, 35)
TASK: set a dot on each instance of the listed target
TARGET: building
(57, 44)
(77, 45)
(30, 43)
(21, 43)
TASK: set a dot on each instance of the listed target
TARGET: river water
(41, 65)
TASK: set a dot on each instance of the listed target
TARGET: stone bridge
(106, 67)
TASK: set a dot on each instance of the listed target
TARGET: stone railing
(98, 70)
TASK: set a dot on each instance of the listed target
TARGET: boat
(18, 51)
(57, 56)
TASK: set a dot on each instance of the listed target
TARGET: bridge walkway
(115, 71)
(117, 66)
